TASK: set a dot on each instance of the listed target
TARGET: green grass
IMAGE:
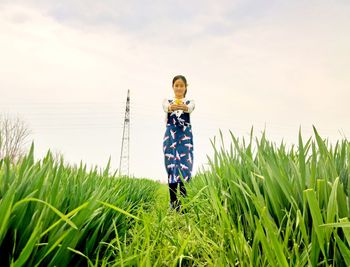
(259, 204)
(50, 211)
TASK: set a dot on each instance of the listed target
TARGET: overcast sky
(66, 66)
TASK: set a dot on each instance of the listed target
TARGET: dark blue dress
(178, 146)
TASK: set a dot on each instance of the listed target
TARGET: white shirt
(178, 113)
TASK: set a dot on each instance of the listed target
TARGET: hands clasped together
(181, 106)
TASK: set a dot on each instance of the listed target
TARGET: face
(179, 88)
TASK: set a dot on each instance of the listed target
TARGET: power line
(107, 111)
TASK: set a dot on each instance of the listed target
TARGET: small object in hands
(178, 101)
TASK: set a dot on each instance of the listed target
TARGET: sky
(66, 66)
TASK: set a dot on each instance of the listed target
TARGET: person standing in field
(178, 140)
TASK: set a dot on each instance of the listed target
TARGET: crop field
(258, 204)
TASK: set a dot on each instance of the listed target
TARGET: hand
(183, 107)
(174, 107)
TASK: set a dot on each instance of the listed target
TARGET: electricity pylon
(124, 153)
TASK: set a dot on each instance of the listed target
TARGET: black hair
(183, 79)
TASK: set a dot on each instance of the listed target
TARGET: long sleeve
(191, 106)
(166, 105)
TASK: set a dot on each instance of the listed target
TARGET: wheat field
(259, 204)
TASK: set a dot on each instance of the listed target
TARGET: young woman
(178, 140)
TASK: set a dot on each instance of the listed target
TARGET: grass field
(259, 204)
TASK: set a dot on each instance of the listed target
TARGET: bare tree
(13, 135)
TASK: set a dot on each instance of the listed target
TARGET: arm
(190, 106)
(166, 106)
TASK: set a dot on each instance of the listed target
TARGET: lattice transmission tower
(124, 153)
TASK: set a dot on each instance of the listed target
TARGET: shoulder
(167, 100)
(189, 101)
